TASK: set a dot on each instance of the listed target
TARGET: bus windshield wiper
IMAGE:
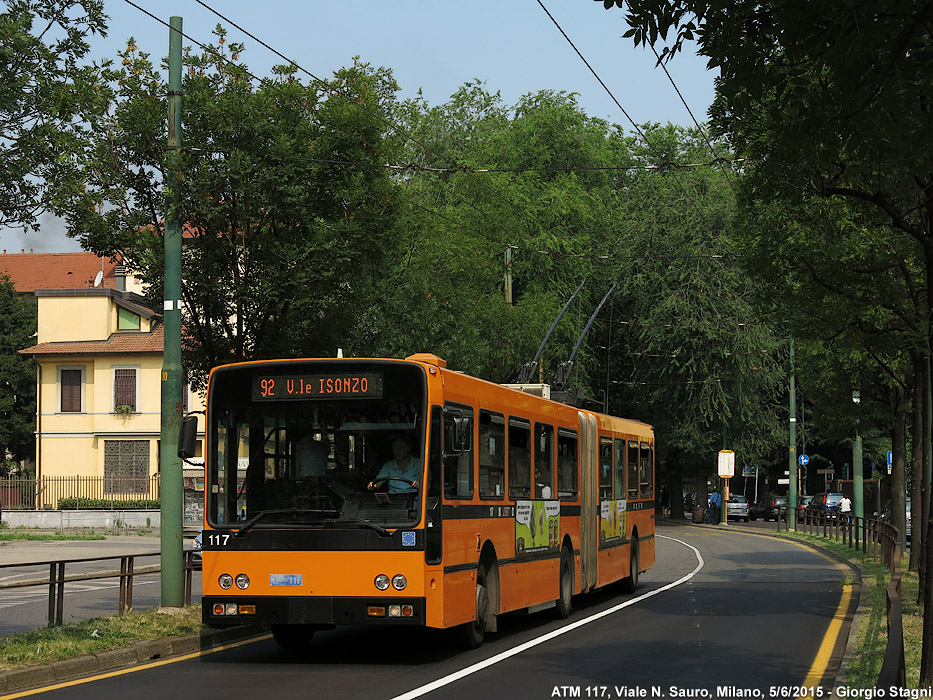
(248, 525)
(358, 521)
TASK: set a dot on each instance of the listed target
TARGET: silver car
(737, 507)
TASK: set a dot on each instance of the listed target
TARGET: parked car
(737, 507)
(825, 503)
(769, 508)
(196, 548)
(886, 515)
(802, 503)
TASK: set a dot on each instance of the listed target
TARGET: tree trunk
(916, 465)
(899, 460)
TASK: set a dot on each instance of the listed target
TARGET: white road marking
(469, 670)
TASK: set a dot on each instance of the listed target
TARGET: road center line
(469, 670)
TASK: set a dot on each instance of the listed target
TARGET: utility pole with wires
(172, 381)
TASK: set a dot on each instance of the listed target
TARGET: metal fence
(76, 492)
(881, 541)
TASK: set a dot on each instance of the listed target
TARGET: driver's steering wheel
(378, 483)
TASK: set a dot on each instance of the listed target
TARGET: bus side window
(605, 467)
(519, 458)
(491, 455)
(620, 467)
(567, 461)
(647, 470)
(632, 470)
(544, 460)
(458, 462)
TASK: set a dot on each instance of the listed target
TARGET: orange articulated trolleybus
(398, 492)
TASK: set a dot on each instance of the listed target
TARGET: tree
(17, 378)
(828, 101)
(288, 210)
(47, 100)
(691, 353)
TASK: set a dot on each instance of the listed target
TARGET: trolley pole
(171, 477)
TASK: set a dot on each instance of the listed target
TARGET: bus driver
(404, 466)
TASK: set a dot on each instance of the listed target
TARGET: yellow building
(99, 356)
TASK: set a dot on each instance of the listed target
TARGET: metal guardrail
(879, 540)
(57, 579)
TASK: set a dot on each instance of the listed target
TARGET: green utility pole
(858, 474)
(171, 477)
(792, 449)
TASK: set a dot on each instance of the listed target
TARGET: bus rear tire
(292, 636)
(564, 601)
(630, 582)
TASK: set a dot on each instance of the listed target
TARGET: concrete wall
(70, 519)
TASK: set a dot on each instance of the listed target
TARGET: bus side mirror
(458, 434)
(188, 437)
(463, 434)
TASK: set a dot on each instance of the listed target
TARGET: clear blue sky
(431, 45)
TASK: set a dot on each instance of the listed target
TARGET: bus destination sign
(272, 387)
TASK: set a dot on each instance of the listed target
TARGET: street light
(858, 487)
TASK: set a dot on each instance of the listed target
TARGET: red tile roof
(118, 343)
(32, 271)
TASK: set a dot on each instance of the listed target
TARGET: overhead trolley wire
(451, 169)
(385, 121)
(252, 75)
(690, 112)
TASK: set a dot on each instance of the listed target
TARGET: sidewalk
(36, 552)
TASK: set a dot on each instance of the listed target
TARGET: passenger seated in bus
(403, 466)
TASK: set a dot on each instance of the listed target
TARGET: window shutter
(71, 391)
(124, 388)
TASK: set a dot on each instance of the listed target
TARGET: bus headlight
(225, 581)
(399, 582)
(242, 581)
(382, 582)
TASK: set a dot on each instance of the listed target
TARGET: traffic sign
(804, 460)
(726, 464)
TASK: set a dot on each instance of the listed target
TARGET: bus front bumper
(223, 611)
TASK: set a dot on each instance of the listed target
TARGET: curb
(117, 659)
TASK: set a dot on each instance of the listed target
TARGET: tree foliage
(288, 211)
(17, 377)
(47, 100)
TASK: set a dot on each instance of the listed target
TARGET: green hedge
(106, 504)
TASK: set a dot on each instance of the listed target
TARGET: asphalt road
(26, 608)
(722, 609)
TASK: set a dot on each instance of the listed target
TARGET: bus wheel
(630, 582)
(566, 586)
(473, 633)
(292, 636)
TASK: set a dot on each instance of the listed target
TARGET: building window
(72, 383)
(127, 320)
(124, 388)
(126, 466)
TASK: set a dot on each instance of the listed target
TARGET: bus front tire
(292, 636)
(473, 633)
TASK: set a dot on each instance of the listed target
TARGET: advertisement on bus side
(611, 520)
(537, 526)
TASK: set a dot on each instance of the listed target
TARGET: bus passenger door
(589, 501)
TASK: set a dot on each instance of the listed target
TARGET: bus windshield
(316, 445)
